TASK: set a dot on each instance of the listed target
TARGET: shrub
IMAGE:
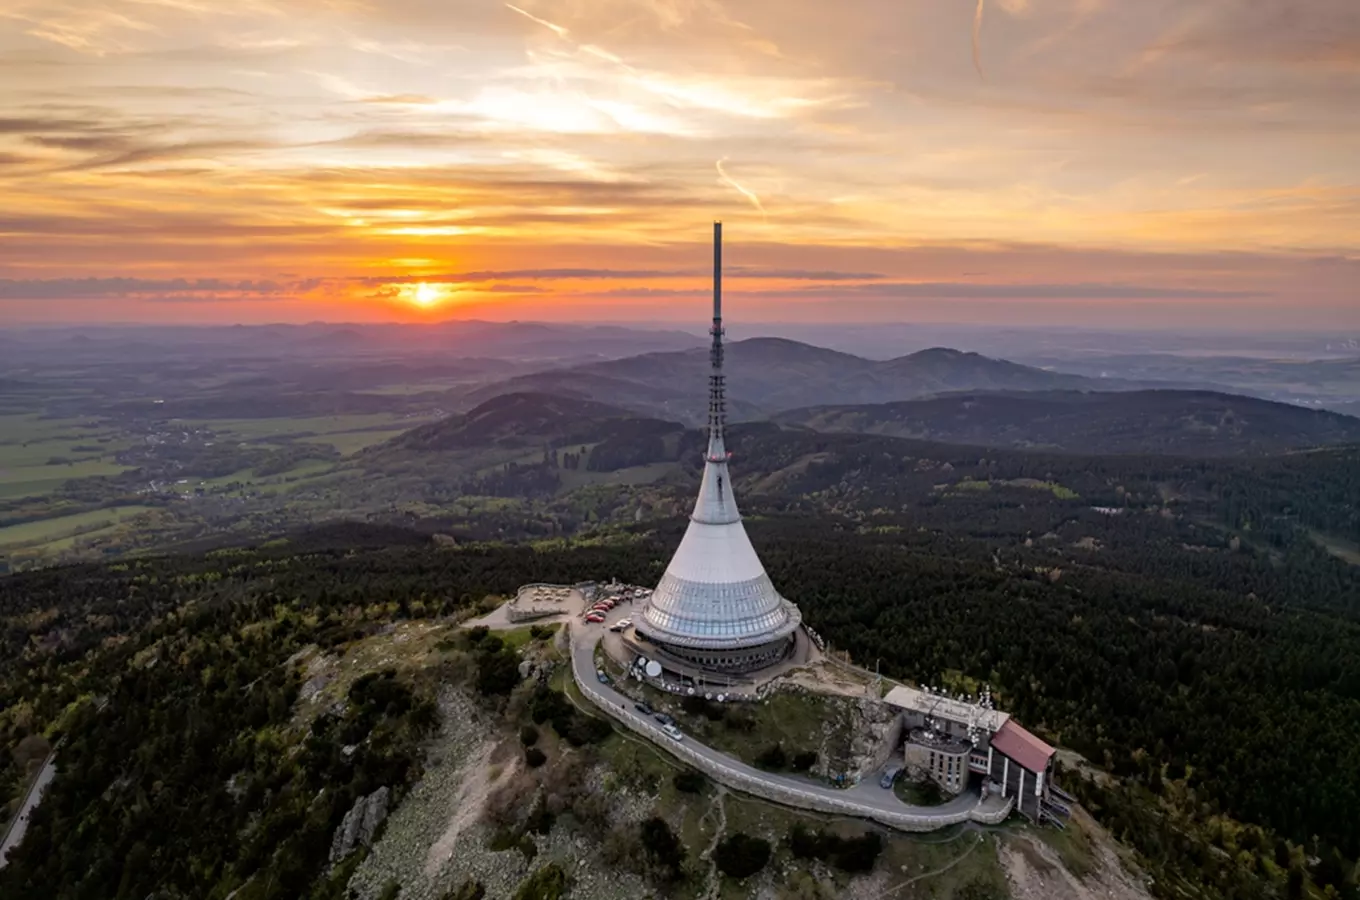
(492, 643)
(548, 704)
(469, 890)
(497, 673)
(804, 760)
(548, 883)
(663, 849)
(477, 634)
(580, 730)
(540, 820)
(391, 890)
(773, 757)
(528, 735)
(740, 719)
(847, 854)
(805, 843)
(534, 757)
(858, 854)
(689, 781)
(741, 856)
(694, 705)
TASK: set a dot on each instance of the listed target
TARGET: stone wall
(751, 781)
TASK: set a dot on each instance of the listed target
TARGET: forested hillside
(1209, 675)
(1187, 423)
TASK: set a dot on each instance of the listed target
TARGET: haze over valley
(680, 450)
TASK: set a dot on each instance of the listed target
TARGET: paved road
(584, 637)
(867, 793)
(15, 835)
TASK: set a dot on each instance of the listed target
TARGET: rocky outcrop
(875, 737)
(361, 824)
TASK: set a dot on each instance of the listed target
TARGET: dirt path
(940, 871)
(467, 805)
(713, 885)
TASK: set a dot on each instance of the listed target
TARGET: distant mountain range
(767, 375)
(1186, 423)
(1191, 423)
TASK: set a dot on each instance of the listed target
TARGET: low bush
(804, 760)
(534, 757)
(665, 854)
(690, 781)
(740, 719)
(548, 883)
(847, 854)
(741, 856)
(528, 735)
(772, 757)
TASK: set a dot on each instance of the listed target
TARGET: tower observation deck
(715, 606)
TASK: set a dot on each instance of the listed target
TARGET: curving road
(865, 799)
(19, 824)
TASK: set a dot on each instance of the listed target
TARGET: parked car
(643, 708)
(595, 617)
(673, 733)
(664, 719)
(889, 777)
(621, 625)
(604, 679)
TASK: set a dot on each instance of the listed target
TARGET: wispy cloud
(182, 139)
(732, 183)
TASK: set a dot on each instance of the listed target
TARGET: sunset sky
(1144, 163)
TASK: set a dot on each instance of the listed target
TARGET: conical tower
(715, 606)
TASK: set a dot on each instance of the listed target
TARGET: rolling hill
(528, 421)
(1188, 423)
(766, 375)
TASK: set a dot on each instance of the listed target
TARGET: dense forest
(1172, 620)
(1211, 680)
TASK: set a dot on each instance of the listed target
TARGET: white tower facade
(715, 606)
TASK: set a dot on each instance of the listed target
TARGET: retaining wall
(750, 781)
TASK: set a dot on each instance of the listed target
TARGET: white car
(673, 733)
(621, 624)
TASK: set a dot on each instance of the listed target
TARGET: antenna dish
(653, 668)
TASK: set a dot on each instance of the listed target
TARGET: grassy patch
(348, 442)
(517, 638)
(919, 793)
(68, 526)
(796, 721)
(1073, 845)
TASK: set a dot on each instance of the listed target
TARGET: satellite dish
(722, 697)
(653, 668)
(690, 690)
(708, 696)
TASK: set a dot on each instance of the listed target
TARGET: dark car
(643, 708)
(664, 719)
(889, 777)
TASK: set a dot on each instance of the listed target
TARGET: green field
(264, 429)
(348, 442)
(28, 442)
(64, 527)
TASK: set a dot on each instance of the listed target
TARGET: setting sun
(427, 295)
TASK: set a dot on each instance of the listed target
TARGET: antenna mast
(717, 401)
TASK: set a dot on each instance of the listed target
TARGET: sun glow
(426, 295)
